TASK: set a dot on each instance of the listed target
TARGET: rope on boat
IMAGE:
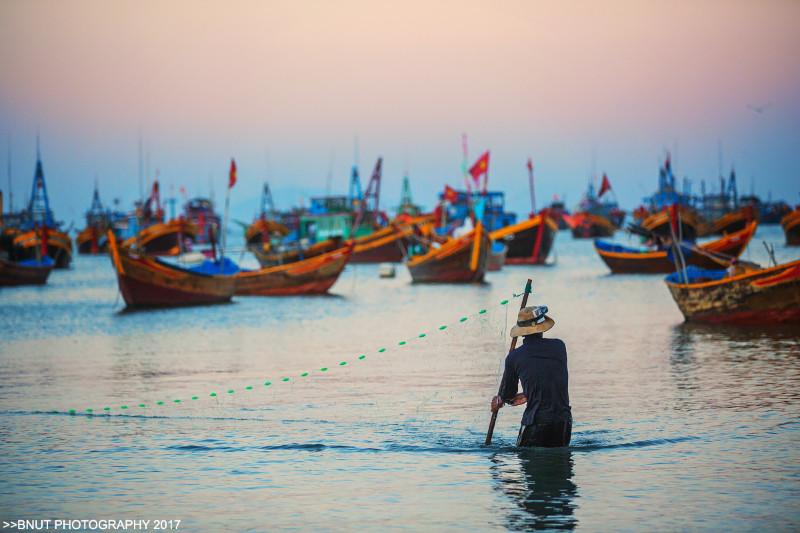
(268, 383)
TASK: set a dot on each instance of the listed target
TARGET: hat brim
(519, 331)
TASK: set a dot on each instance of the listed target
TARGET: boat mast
(355, 193)
(531, 187)
(39, 203)
(10, 193)
(141, 168)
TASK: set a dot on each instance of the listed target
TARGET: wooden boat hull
(660, 262)
(309, 276)
(270, 259)
(263, 227)
(59, 246)
(590, 226)
(15, 274)
(461, 260)
(522, 238)
(731, 222)
(387, 245)
(659, 223)
(765, 296)
(163, 238)
(146, 282)
(89, 243)
(791, 228)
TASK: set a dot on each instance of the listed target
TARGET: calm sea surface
(677, 427)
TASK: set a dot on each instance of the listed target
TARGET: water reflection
(745, 367)
(539, 482)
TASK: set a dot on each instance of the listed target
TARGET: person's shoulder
(558, 344)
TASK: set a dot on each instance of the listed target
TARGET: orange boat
(624, 260)
(145, 281)
(92, 240)
(791, 227)
(690, 223)
(760, 296)
(731, 222)
(59, 246)
(270, 259)
(586, 225)
(163, 238)
(259, 232)
(459, 260)
(308, 276)
(386, 245)
(529, 241)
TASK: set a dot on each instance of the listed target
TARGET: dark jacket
(541, 365)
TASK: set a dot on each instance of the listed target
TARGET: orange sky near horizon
(307, 76)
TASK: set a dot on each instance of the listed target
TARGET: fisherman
(541, 365)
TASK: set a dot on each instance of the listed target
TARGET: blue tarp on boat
(224, 267)
(611, 247)
(45, 262)
(696, 275)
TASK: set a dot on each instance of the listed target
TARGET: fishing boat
(459, 260)
(589, 226)
(293, 252)
(58, 245)
(497, 256)
(595, 217)
(791, 227)
(92, 239)
(689, 225)
(261, 231)
(386, 245)
(529, 241)
(755, 296)
(38, 221)
(200, 213)
(314, 275)
(712, 255)
(27, 272)
(557, 210)
(147, 281)
(768, 212)
(731, 222)
(163, 238)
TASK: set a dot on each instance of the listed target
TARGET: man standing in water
(541, 365)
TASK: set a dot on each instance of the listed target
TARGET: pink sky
(556, 80)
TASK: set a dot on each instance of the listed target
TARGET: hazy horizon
(576, 86)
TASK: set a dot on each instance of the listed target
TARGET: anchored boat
(314, 275)
(712, 255)
(756, 296)
(163, 238)
(146, 281)
(529, 241)
(387, 245)
(459, 260)
(27, 272)
(791, 227)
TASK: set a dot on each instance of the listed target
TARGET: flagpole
(530, 184)
(225, 223)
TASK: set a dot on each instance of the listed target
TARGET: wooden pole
(492, 422)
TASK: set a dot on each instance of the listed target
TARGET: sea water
(677, 426)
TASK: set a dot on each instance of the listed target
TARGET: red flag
(530, 165)
(480, 168)
(450, 194)
(604, 187)
(232, 178)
